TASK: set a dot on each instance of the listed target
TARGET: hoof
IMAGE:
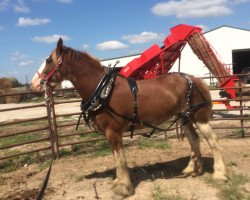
(182, 176)
(220, 177)
(117, 197)
(185, 175)
(122, 191)
(193, 173)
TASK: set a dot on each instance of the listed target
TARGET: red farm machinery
(159, 60)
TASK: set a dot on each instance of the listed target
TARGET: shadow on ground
(163, 170)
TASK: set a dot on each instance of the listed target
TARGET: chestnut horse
(159, 99)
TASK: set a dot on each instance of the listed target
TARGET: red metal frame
(159, 60)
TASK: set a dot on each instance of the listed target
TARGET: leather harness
(99, 100)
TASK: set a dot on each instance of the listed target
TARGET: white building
(231, 44)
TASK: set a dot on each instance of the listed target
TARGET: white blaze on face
(35, 82)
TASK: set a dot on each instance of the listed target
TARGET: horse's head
(50, 70)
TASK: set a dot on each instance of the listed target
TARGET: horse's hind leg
(220, 172)
(194, 167)
(122, 184)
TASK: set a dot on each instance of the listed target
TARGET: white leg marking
(195, 164)
(220, 171)
(122, 184)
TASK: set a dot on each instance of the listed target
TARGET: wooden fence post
(51, 120)
(55, 126)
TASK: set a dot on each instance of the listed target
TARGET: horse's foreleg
(220, 172)
(194, 167)
(122, 184)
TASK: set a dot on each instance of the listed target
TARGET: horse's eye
(48, 60)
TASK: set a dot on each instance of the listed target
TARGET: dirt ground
(85, 177)
(82, 177)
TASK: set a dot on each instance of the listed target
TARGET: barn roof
(227, 26)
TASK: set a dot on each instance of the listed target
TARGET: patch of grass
(159, 194)
(239, 132)
(102, 149)
(12, 164)
(20, 139)
(9, 165)
(89, 135)
(94, 149)
(148, 143)
(64, 151)
(44, 165)
(232, 190)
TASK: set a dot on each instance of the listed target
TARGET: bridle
(55, 70)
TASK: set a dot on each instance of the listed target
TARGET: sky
(29, 29)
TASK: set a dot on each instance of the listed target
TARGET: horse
(158, 99)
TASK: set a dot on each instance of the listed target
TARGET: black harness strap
(190, 107)
(134, 89)
(186, 114)
(99, 97)
(111, 111)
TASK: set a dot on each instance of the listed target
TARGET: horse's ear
(59, 45)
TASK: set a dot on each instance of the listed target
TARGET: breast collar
(100, 96)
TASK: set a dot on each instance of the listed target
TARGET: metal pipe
(24, 132)
(26, 152)
(23, 143)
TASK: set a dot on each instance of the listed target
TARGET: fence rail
(49, 128)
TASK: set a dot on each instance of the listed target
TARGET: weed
(102, 149)
(12, 164)
(20, 139)
(9, 165)
(90, 135)
(43, 165)
(94, 149)
(159, 194)
(231, 190)
(232, 164)
(65, 152)
(239, 132)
